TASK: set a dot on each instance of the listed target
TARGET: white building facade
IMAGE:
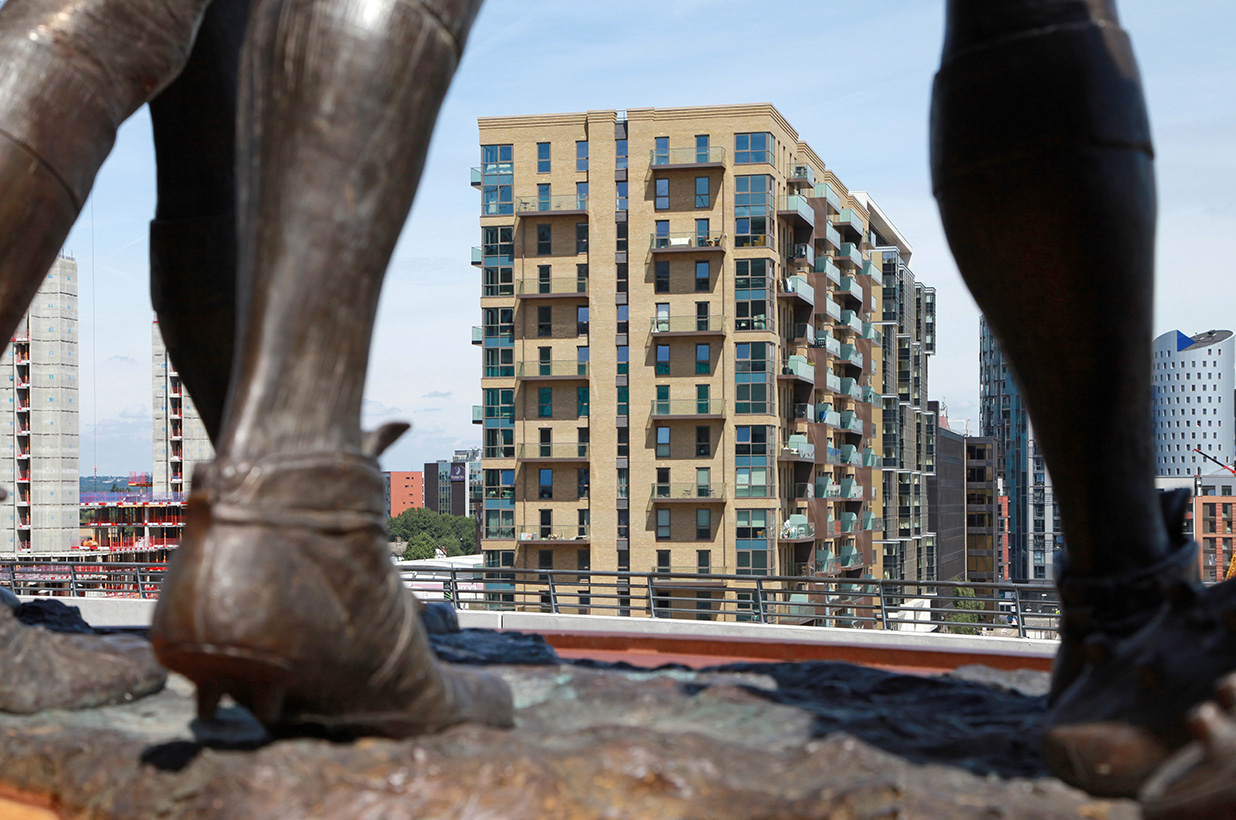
(39, 403)
(1194, 410)
(180, 439)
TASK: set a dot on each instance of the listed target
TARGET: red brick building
(404, 491)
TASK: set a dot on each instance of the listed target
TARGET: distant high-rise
(39, 456)
(180, 440)
(1034, 519)
(1194, 410)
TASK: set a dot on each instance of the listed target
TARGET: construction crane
(1231, 565)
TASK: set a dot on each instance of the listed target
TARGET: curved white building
(1194, 404)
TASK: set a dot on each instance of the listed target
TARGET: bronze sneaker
(283, 595)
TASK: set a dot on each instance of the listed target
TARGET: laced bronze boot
(283, 595)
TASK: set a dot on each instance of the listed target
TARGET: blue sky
(853, 78)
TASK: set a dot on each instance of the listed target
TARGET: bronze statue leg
(282, 592)
(193, 235)
(72, 73)
(1043, 169)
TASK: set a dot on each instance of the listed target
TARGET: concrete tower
(1193, 402)
(180, 440)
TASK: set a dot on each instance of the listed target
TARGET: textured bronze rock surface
(756, 740)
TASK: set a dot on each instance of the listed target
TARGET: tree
(420, 546)
(453, 534)
(967, 616)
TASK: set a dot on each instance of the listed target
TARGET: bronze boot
(57, 670)
(283, 595)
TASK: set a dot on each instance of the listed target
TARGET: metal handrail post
(883, 609)
(760, 611)
(452, 588)
(1021, 620)
(141, 588)
(553, 596)
(652, 600)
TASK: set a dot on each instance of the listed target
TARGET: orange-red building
(404, 491)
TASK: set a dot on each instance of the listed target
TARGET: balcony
(687, 241)
(478, 414)
(803, 254)
(672, 159)
(850, 319)
(825, 487)
(688, 492)
(867, 522)
(561, 535)
(850, 255)
(800, 175)
(826, 266)
(870, 269)
(546, 451)
(477, 176)
(804, 332)
(478, 335)
(478, 258)
(688, 408)
(688, 325)
(850, 422)
(870, 395)
(850, 456)
(797, 210)
(796, 528)
(849, 523)
(797, 287)
(825, 414)
(870, 332)
(849, 287)
(832, 238)
(832, 381)
(849, 221)
(868, 458)
(827, 341)
(851, 387)
(567, 370)
(829, 195)
(850, 355)
(831, 309)
(797, 449)
(572, 287)
(797, 367)
(849, 490)
(566, 205)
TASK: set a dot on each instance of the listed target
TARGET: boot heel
(255, 680)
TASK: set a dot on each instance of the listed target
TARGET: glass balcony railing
(688, 324)
(849, 219)
(851, 387)
(797, 530)
(851, 319)
(799, 286)
(870, 269)
(832, 238)
(831, 309)
(477, 256)
(687, 407)
(796, 206)
(552, 287)
(850, 354)
(689, 491)
(799, 366)
(826, 266)
(849, 489)
(552, 450)
(829, 195)
(833, 455)
(478, 414)
(754, 490)
(557, 368)
(712, 155)
(800, 173)
(574, 532)
(868, 521)
(802, 491)
(870, 332)
(849, 523)
(685, 241)
(825, 487)
(803, 254)
(850, 455)
(825, 414)
(805, 332)
(478, 334)
(850, 422)
(850, 254)
(870, 459)
(850, 287)
(869, 395)
(798, 449)
(549, 204)
(833, 382)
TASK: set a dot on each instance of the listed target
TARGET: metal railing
(802, 598)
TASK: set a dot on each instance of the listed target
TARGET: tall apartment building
(1194, 404)
(946, 497)
(404, 491)
(180, 440)
(682, 356)
(39, 456)
(454, 487)
(1034, 518)
(909, 440)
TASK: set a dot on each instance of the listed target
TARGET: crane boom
(1215, 460)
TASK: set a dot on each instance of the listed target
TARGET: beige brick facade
(682, 347)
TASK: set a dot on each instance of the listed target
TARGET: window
(499, 362)
(542, 196)
(703, 441)
(581, 320)
(620, 154)
(751, 440)
(702, 197)
(624, 532)
(547, 442)
(702, 317)
(703, 237)
(703, 405)
(663, 441)
(624, 355)
(703, 359)
(581, 401)
(499, 442)
(662, 200)
(545, 487)
(544, 280)
(499, 403)
(660, 154)
(497, 176)
(581, 237)
(702, 153)
(544, 240)
(751, 207)
(660, 282)
(703, 276)
(703, 524)
(542, 157)
(703, 482)
(499, 484)
(663, 534)
(581, 196)
(581, 155)
(497, 254)
(752, 148)
(581, 360)
(751, 294)
(499, 326)
(545, 402)
(582, 484)
(624, 482)
(624, 439)
(623, 198)
(663, 360)
(544, 321)
(751, 375)
(751, 539)
(624, 401)
(662, 406)
(661, 226)
(620, 242)
(624, 318)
